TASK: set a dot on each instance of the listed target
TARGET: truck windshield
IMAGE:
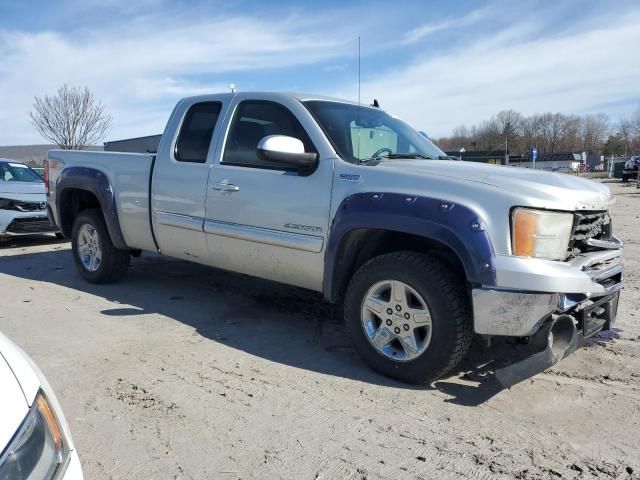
(18, 172)
(363, 133)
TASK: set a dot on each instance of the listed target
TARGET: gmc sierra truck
(344, 199)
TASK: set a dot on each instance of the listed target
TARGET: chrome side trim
(510, 313)
(179, 221)
(297, 241)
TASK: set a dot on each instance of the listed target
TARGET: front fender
(454, 225)
(96, 182)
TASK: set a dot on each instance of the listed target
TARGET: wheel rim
(89, 249)
(396, 320)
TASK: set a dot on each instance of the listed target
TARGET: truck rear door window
(196, 132)
(254, 120)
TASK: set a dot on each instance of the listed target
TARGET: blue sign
(534, 153)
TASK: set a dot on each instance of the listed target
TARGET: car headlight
(540, 234)
(38, 449)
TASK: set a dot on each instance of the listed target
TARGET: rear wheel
(625, 178)
(408, 315)
(98, 261)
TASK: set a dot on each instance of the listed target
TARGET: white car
(35, 443)
(23, 203)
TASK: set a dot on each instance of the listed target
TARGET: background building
(148, 144)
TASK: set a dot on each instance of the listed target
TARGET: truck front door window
(255, 120)
(196, 131)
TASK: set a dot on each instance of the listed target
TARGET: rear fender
(93, 181)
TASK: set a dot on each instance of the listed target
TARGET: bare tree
(549, 132)
(531, 133)
(460, 137)
(510, 122)
(635, 120)
(571, 140)
(628, 136)
(489, 135)
(554, 130)
(594, 132)
(73, 119)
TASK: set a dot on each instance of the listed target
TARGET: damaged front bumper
(553, 324)
(15, 223)
(531, 290)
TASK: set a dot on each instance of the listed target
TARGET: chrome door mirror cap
(282, 144)
(289, 152)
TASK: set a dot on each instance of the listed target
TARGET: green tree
(613, 146)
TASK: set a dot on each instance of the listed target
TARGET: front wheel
(408, 315)
(97, 259)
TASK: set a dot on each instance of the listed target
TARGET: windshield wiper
(393, 156)
(407, 155)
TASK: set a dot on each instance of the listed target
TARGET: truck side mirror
(288, 151)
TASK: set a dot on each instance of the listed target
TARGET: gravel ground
(182, 372)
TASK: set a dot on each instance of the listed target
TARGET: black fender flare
(456, 226)
(93, 181)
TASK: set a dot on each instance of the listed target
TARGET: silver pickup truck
(423, 252)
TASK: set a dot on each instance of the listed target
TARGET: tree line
(549, 133)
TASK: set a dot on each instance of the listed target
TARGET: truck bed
(129, 175)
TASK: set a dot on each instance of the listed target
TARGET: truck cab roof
(303, 97)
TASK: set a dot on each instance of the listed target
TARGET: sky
(435, 64)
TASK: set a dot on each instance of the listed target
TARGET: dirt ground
(183, 372)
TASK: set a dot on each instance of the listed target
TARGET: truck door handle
(225, 186)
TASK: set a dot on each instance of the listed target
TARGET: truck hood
(13, 404)
(544, 187)
(23, 188)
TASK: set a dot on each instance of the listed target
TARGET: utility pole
(506, 150)
(611, 166)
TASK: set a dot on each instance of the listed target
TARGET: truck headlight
(38, 449)
(540, 234)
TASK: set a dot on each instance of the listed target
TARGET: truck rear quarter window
(254, 120)
(196, 131)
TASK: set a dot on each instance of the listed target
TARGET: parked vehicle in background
(23, 203)
(35, 442)
(630, 171)
(347, 200)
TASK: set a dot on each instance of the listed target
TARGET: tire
(625, 178)
(440, 290)
(113, 263)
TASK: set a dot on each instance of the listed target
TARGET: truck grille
(588, 226)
